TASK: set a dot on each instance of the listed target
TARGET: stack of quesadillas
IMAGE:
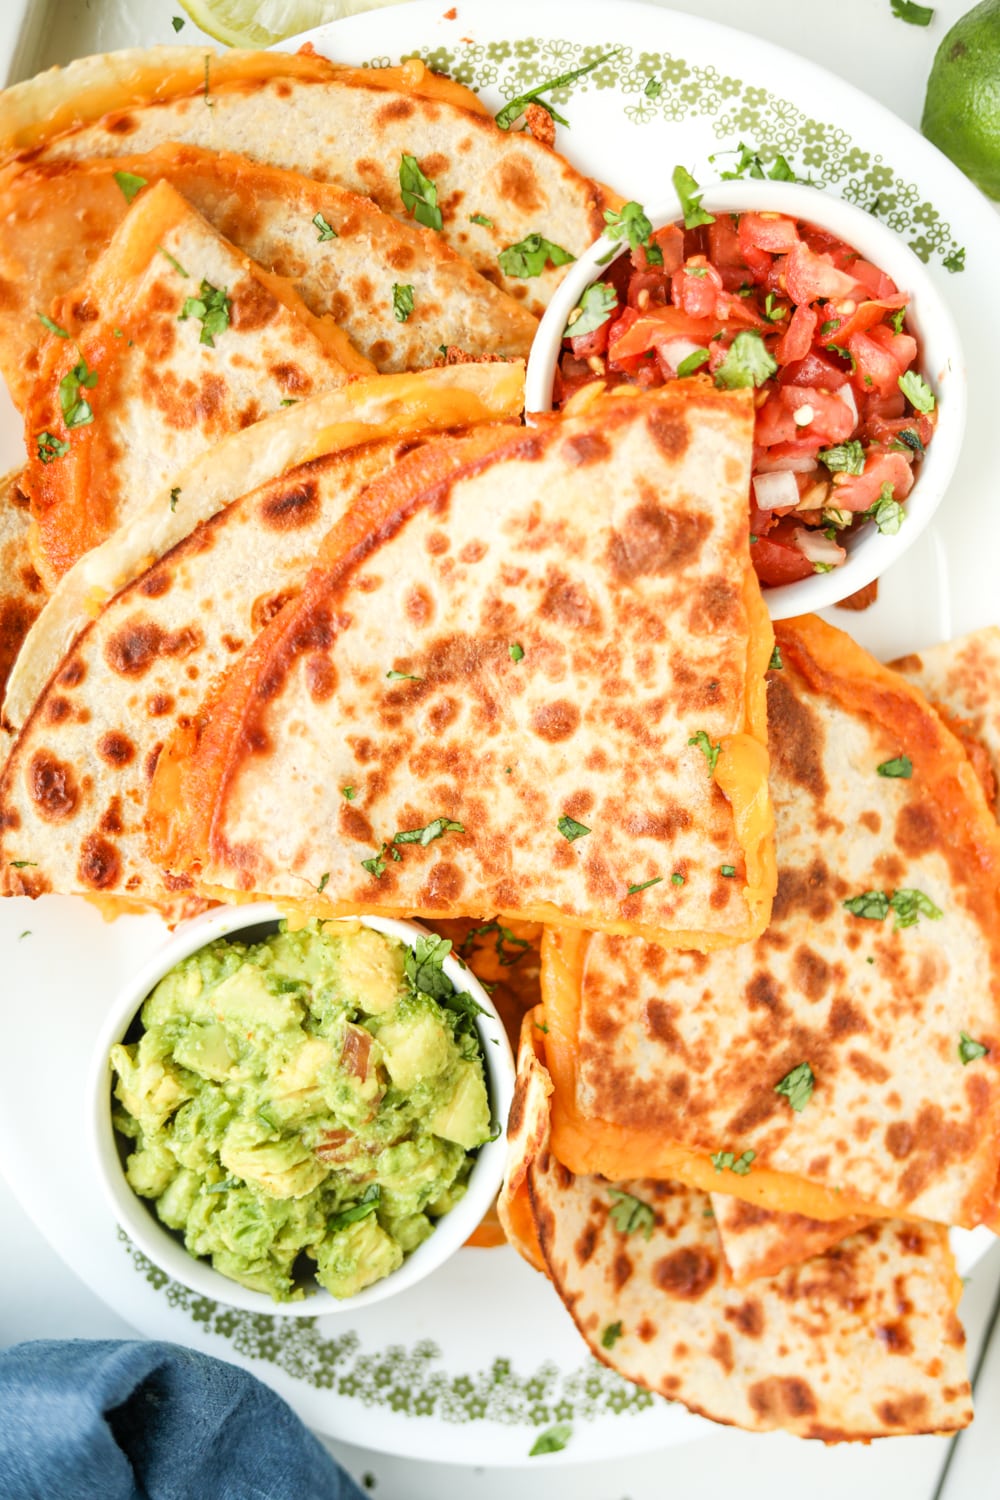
(334, 628)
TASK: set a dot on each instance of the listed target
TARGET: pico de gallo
(775, 303)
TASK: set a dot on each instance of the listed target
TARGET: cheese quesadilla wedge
(484, 189)
(173, 341)
(72, 796)
(21, 592)
(845, 1063)
(962, 679)
(758, 1242)
(363, 411)
(861, 1342)
(538, 657)
(343, 256)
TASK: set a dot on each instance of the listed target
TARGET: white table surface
(41, 1298)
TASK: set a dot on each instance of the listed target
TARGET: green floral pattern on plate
(819, 152)
(403, 1379)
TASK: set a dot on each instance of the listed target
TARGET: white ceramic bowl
(137, 1216)
(869, 552)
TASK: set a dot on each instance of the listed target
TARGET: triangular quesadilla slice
(21, 592)
(962, 679)
(857, 1343)
(72, 797)
(847, 1061)
(396, 289)
(174, 340)
(545, 653)
(484, 189)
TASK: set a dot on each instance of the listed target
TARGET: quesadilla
(962, 679)
(173, 341)
(758, 1242)
(72, 797)
(484, 189)
(544, 654)
(861, 1342)
(21, 592)
(397, 290)
(846, 1062)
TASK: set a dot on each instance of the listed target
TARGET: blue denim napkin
(107, 1420)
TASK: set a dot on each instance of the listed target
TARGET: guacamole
(318, 1094)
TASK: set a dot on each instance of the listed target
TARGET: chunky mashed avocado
(319, 1093)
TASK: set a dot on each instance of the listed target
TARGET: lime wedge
(261, 23)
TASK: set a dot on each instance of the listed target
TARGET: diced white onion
(793, 463)
(818, 548)
(846, 394)
(803, 415)
(776, 491)
(674, 351)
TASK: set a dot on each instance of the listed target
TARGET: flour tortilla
(165, 388)
(341, 129)
(57, 217)
(662, 1060)
(21, 592)
(962, 677)
(557, 612)
(72, 797)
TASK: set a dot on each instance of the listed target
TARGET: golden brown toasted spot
(587, 1243)
(354, 824)
(401, 257)
(904, 1411)
(568, 602)
(917, 830)
(868, 1068)
(621, 1270)
(134, 647)
(444, 885)
(715, 606)
(56, 710)
(266, 606)
(396, 109)
(762, 993)
(810, 972)
(687, 1273)
(795, 738)
(419, 605)
(556, 721)
(653, 541)
(121, 124)
(586, 448)
(845, 1019)
(803, 890)
(158, 704)
(291, 508)
(871, 821)
(115, 748)
(72, 673)
(668, 432)
(16, 618)
(321, 677)
(722, 1351)
(518, 185)
(292, 377)
(899, 1139)
(437, 543)
(52, 786)
(156, 583)
(252, 306)
(100, 865)
(895, 1338)
(473, 552)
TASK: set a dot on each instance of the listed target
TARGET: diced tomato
(771, 232)
(724, 244)
(859, 491)
(864, 316)
(659, 323)
(670, 240)
(759, 263)
(695, 287)
(653, 284)
(901, 347)
(875, 281)
(776, 561)
(595, 342)
(809, 276)
(796, 342)
(831, 421)
(815, 369)
(886, 430)
(875, 367)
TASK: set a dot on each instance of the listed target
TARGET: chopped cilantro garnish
(916, 390)
(631, 1215)
(552, 1440)
(772, 313)
(873, 905)
(419, 194)
(436, 829)
(505, 939)
(402, 301)
(909, 439)
(423, 967)
(595, 307)
(514, 108)
(395, 676)
(887, 513)
(728, 1161)
(677, 878)
(751, 165)
(955, 261)
(482, 220)
(968, 1049)
(912, 14)
(289, 400)
(747, 362)
(349, 792)
(727, 870)
(797, 1086)
(177, 22)
(653, 89)
(711, 752)
(212, 308)
(846, 354)
(776, 664)
(845, 458)
(60, 333)
(130, 184)
(48, 447)
(529, 257)
(324, 881)
(324, 228)
(692, 362)
(76, 409)
(631, 224)
(687, 191)
(376, 865)
(634, 890)
(515, 651)
(611, 1335)
(901, 766)
(366, 1204)
(830, 326)
(571, 829)
(208, 63)
(175, 495)
(898, 319)
(24, 864)
(24, 934)
(908, 905)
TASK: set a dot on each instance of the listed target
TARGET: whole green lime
(962, 108)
